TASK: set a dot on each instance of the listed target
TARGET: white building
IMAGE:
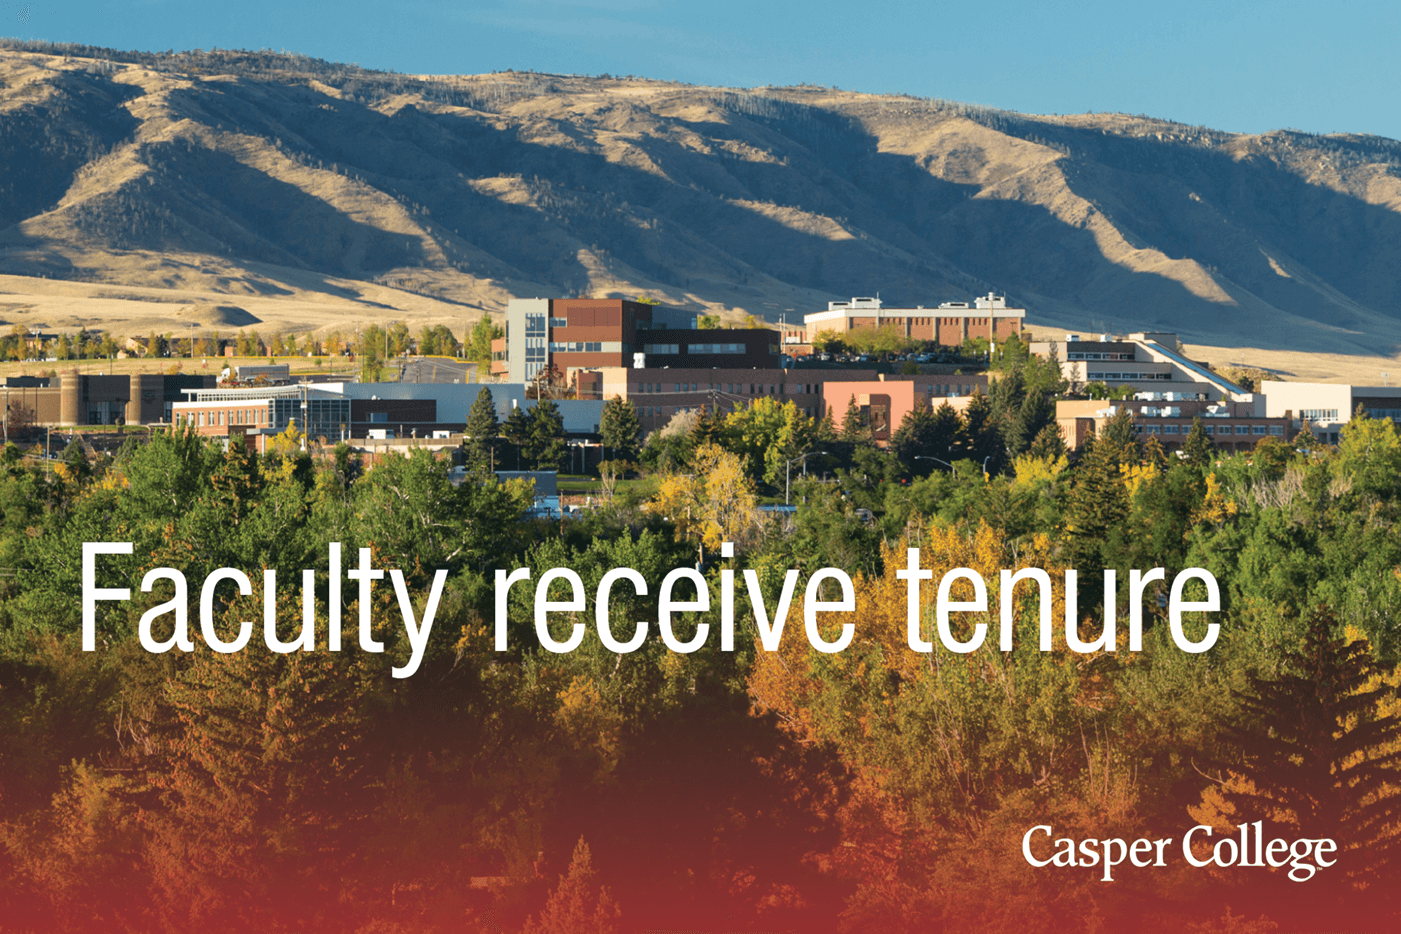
(1326, 407)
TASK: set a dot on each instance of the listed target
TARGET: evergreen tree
(516, 431)
(915, 439)
(621, 429)
(1154, 454)
(1098, 504)
(980, 439)
(1197, 446)
(544, 445)
(853, 426)
(75, 461)
(1035, 413)
(482, 430)
(1317, 745)
(1049, 443)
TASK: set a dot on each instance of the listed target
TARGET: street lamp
(786, 482)
(926, 457)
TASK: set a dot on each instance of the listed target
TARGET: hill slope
(269, 177)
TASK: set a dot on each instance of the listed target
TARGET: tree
(1098, 504)
(544, 445)
(620, 428)
(1197, 447)
(708, 322)
(516, 431)
(479, 342)
(482, 430)
(853, 425)
(1319, 750)
(579, 905)
(75, 462)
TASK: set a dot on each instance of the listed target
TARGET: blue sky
(1244, 66)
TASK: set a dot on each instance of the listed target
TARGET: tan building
(1324, 408)
(1232, 426)
(1147, 361)
(949, 324)
(885, 401)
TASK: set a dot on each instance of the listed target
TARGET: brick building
(590, 333)
(949, 324)
(1232, 426)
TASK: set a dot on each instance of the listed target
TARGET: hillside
(312, 194)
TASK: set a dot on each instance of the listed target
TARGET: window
(1242, 429)
(1276, 429)
(577, 347)
(559, 322)
(1172, 429)
(534, 324)
(1320, 415)
(715, 348)
(661, 348)
(1257, 429)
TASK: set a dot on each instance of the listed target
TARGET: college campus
(665, 362)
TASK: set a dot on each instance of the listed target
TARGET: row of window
(1212, 429)
(736, 389)
(715, 348)
(576, 347)
(1320, 415)
(1121, 376)
(660, 411)
(1079, 355)
(228, 417)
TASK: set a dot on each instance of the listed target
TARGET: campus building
(1232, 426)
(948, 324)
(384, 411)
(883, 401)
(589, 333)
(1324, 408)
(97, 399)
(1147, 361)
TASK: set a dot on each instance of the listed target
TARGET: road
(436, 370)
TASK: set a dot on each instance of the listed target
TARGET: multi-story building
(1324, 408)
(356, 410)
(660, 394)
(589, 333)
(949, 324)
(1146, 361)
(1232, 426)
(98, 399)
(883, 403)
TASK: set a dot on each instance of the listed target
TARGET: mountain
(263, 177)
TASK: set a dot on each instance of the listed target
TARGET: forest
(875, 789)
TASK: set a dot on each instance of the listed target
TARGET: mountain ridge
(261, 174)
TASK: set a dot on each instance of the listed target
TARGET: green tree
(545, 447)
(516, 432)
(482, 430)
(1198, 447)
(621, 429)
(479, 343)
